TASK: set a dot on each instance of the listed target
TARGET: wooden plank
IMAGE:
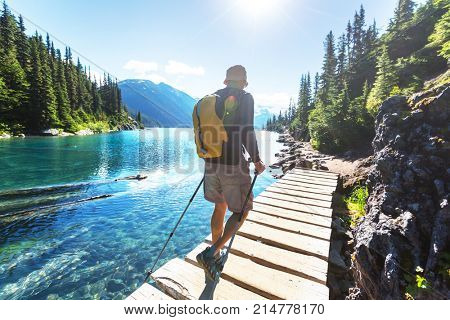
(184, 281)
(302, 191)
(310, 187)
(289, 225)
(268, 282)
(294, 206)
(285, 240)
(312, 177)
(297, 200)
(295, 263)
(292, 214)
(316, 172)
(328, 183)
(299, 197)
(148, 292)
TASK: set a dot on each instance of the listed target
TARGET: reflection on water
(98, 249)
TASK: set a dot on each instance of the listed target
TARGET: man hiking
(223, 123)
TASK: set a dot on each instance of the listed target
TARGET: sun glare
(258, 8)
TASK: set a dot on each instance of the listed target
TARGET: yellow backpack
(210, 133)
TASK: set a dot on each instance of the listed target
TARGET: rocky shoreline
(53, 132)
(298, 154)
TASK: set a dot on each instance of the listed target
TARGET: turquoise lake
(99, 249)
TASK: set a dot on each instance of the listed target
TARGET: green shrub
(415, 284)
(356, 203)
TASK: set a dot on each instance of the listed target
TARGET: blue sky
(190, 44)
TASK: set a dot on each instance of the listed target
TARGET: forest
(40, 88)
(335, 109)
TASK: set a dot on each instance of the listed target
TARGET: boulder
(5, 136)
(50, 132)
(85, 132)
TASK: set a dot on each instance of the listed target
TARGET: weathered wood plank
(279, 194)
(315, 178)
(316, 172)
(289, 225)
(302, 191)
(184, 281)
(282, 203)
(314, 175)
(327, 183)
(286, 240)
(148, 292)
(292, 214)
(310, 187)
(268, 282)
(291, 262)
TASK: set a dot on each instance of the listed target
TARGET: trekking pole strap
(173, 231)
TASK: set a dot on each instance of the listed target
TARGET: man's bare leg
(217, 220)
(232, 226)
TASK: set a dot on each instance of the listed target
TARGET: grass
(356, 204)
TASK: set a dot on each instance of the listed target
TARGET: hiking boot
(208, 263)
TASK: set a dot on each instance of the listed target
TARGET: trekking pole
(149, 273)
(237, 226)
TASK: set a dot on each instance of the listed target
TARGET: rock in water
(408, 218)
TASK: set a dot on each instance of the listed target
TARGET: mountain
(262, 116)
(160, 104)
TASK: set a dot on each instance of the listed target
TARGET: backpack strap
(197, 113)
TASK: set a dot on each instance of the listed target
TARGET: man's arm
(249, 136)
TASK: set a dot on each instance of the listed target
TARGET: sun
(258, 8)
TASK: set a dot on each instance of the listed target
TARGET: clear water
(98, 249)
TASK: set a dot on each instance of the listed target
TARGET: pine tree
(328, 78)
(8, 29)
(349, 42)
(402, 14)
(341, 62)
(16, 86)
(316, 85)
(22, 45)
(62, 97)
(48, 116)
(385, 81)
(441, 35)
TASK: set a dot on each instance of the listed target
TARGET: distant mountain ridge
(261, 116)
(160, 104)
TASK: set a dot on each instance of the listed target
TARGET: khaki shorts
(228, 183)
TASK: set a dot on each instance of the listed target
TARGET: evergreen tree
(8, 29)
(341, 62)
(48, 112)
(22, 45)
(402, 14)
(328, 78)
(316, 85)
(385, 81)
(16, 86)
(62, 97)
(441, 35)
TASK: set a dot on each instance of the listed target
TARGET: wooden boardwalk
(280, 252)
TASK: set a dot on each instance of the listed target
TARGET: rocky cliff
(404, 237)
